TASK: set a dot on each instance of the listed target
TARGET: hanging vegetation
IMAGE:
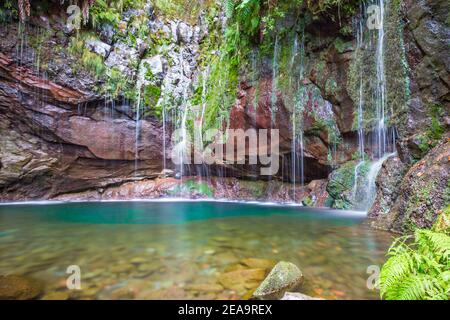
(25, 8)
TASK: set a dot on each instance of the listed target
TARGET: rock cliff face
(414, 187)
(56, 139)
(71, 127)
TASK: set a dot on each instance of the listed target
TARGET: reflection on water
(184, 250)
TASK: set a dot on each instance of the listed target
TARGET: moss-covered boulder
(285, 276)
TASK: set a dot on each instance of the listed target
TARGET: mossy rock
(342, 181)
(285, 276)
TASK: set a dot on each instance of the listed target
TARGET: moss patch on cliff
(192, 187)
(341, 184)
(186, 10)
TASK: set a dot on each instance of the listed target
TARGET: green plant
(308, 202)
(91, 62)
(181, 9)
(419, 265)
(117, 83)
(105, 12)
(8, 10)
(435, 130)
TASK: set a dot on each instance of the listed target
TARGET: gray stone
(185, 32)
(98, 47)
(123, 57)
(285, 276)
(107, 33)
(297, 296)
(156, 65)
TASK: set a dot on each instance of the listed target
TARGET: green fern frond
(439, 243)
(415, 287)
(418, 269)
(229, 8)
(394, 271)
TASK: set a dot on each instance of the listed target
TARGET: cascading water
(202, 170)
(361, 143)
(380, 92)
(275, 68)
(139, 83)
(372, 175)
(380, 146)
(297, 112)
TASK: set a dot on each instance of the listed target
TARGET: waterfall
(184, 135)
(371, 181)
(294, 126)
(380, 92)
(275, 67)
(164, 116)
(202, 169)
(139, 83)
(361, 136)
(297, 112)
(380, 147)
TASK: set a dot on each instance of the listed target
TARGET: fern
(415, 287)
(439, 243)
(418, 268)
(229, 8)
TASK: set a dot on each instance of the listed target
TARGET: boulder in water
(18, 288)
(285, 276)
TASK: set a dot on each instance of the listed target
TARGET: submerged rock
(258, 263)
(19, 288)
(56, 296)
(241, 279)
(285, 276)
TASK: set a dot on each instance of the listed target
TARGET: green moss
(94, 63)
(419, 199)
(8, 11)
(341, 45)
(397, 79)
(193, 187)
(150, 97)
(256, 188)
(428, 139)
(436, 129)
(90, 61)
(186, 10)
(342, 181)
(308, 202)
(117, 83)
(105, 12)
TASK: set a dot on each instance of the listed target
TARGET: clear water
(180, 250)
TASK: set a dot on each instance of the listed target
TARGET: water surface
(182, 250)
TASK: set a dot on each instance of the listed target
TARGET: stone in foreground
(297, 296)
(285, 276)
